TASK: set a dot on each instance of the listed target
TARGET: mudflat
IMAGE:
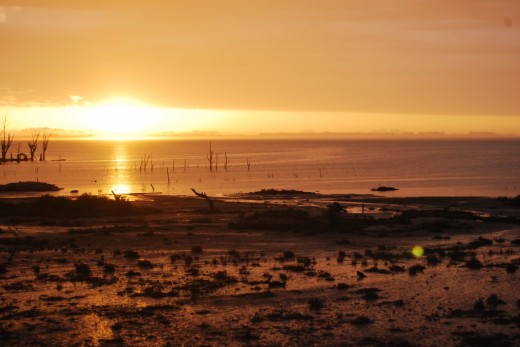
(265, 270)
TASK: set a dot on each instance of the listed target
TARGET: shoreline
(255, 273)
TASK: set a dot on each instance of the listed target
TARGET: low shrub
(85, 205)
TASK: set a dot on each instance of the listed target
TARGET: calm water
(418, 168)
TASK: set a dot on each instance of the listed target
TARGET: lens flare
(418, 251)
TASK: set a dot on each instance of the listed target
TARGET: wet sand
(190, 276)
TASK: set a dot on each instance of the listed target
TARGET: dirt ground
(184, 277)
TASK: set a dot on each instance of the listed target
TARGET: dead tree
(205, 196)
(6, 140)
(209, 156)
(45, 143)
(226, 162)
(33, 145)
(145, 161)
(117, 197)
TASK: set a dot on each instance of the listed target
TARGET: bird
(360, 275)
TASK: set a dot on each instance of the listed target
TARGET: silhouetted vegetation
(291, 219)
(361, 320)
(82, 270)
(29, 186)
(84, 206)
(405, 216)
(130, 254)
(316, 304)
(145, 264)
(415, 269)
(281, 192)
(474, 264)
(511, 201)
(284, 220)
(334, 212)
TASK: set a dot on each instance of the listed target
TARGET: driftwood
(205, 196)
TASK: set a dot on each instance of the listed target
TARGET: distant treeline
(511, 201)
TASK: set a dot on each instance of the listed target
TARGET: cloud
(3, 15)
(75, 99)
(354, 55)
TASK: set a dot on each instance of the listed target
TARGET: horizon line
(77, 135)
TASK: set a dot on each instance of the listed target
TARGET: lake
(416, 167)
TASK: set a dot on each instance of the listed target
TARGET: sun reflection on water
(97, 328)
(121, 189)
(118, 179)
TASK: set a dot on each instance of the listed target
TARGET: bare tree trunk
(6, 140)
(45, 143)
(145, 161)
(33, 145)
(226, 162)
(117, 197)
(209, 156)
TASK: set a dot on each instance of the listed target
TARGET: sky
(237, 66)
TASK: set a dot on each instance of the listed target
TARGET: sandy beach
(265, 270)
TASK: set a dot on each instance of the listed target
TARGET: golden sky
(261, 65)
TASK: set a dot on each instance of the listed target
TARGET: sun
(122, 118)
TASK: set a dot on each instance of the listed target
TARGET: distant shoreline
(60, 135)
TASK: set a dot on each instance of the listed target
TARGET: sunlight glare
(122, 118)
(121, 189)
